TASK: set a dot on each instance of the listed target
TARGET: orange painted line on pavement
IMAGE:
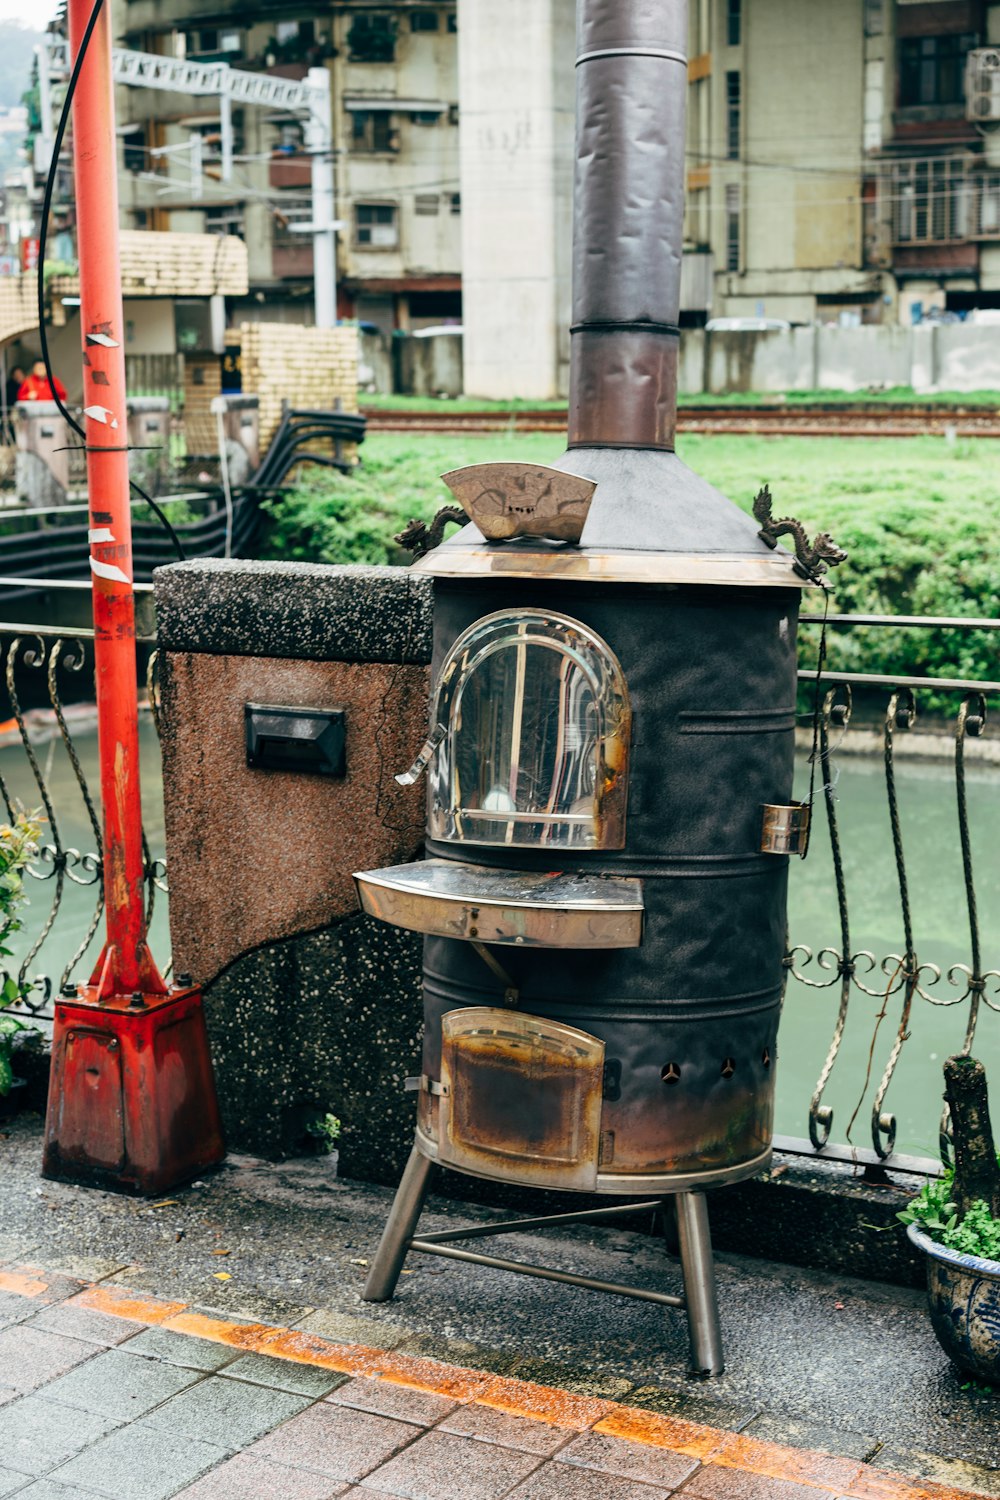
(22, 1283)
(714, 1447)
(119, 1303)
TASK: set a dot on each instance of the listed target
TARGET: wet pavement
(816, 1364)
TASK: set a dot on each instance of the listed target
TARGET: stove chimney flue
(628, 222)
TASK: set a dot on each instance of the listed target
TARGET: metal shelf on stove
(452, 899)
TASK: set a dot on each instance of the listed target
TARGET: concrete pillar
(149, 441)
(241, 434)
(42, 467)
(516, 86)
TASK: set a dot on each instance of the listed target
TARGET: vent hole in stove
(765, 1057)
(671, 1073)
(728, 1067)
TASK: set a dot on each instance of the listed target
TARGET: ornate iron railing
(904, 978)
(47, 677)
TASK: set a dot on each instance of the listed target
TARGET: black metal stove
(613, 707)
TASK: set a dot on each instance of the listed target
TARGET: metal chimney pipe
(628, 222)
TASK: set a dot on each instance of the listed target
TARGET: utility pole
(128, 1106)
(319, 143)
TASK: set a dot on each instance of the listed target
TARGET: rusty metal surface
(507, 500)
(785, 830)
(522, 1098)
(479, 903)
(469, 560)
(623, 388)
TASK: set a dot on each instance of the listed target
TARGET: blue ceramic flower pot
(963, 1293)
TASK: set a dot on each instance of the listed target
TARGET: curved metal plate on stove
(507, 500)
(448, 898)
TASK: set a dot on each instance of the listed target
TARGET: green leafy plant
(961, 1209)
(325, 1131)
(935, 1211)
(18, 846)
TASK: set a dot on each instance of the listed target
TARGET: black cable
(50, 183)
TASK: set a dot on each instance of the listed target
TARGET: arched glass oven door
(536, 723)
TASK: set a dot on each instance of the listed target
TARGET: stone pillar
(312, 1008)
(516, 86)
(42, 467)
(241, 434)
(149, 441)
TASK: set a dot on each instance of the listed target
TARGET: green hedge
(917, 516)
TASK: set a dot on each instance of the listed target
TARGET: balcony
(940, 201)
(292, 258)
(289, 171)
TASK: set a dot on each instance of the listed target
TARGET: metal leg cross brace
(700, 1299)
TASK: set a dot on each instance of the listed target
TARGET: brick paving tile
(116, 1385)
(139, 1463)
(335, 1441)
(10, 1481)
(47, 1489)
(283, 1375)
(248, 1478)
(14, 1309)
(714, 1483)
(37, 1434)
(226, 1413)
(560, 1482)
(611, 1455)
(423, 1408)
(439, 1466)
(178, 1349)
(30, 1356)
(81, 1323)
(491, 1426)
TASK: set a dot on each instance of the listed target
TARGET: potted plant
(955, 1222)
(18, 845)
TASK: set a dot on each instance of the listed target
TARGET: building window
(427, 204)
(425, 116)
(372, 38)
(874, 17)
(376, 226)
(227, 218)
(456, 203)
(452, 20)
(932, 68)
(732, 227)
(930, 201)
(135, 150)
(452, 114)
(988, 200)
(733, 116)
(424, 20)
(374, 130)
(734, 21)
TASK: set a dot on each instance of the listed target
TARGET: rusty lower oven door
(521, 1098)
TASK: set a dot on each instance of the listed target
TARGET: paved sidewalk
(107, 1392)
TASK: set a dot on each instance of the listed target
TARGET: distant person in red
(37, 387)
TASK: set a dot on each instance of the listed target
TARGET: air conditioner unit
(982, 84)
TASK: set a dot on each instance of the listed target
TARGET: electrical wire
(43, 235)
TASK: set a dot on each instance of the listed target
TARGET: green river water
(930, 836)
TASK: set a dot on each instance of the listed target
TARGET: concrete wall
(947, 357)
(311, 1006)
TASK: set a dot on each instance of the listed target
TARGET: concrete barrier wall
(949, 356)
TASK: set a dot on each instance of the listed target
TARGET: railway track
(801, 420)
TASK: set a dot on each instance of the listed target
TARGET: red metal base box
(132, 1103)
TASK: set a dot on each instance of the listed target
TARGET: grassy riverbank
(918, 517)
(891, 395)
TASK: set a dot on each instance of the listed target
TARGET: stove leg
(699, 1284)
(398, 1232)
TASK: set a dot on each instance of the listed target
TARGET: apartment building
(833, 170)
(395, 141)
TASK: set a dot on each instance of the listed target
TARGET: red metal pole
(126, 964)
